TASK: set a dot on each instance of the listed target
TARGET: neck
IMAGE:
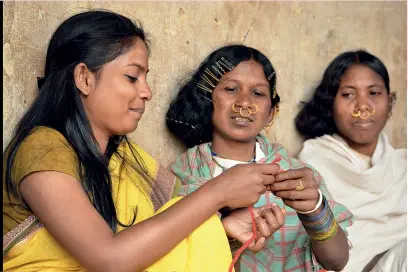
(102, 140)
(233, 150)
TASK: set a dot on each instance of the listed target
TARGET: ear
(84, 79)
(392, 97)
(270, 116)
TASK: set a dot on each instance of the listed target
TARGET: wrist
(210, 191)
(317, 209)
(316, 212)
(322, 226)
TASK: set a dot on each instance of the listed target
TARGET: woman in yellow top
(77, 195)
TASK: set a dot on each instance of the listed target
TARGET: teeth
(242, 119)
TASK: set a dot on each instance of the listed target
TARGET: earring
(275, 114)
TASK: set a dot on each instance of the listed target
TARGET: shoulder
(189, 155)
(45, 149)
(43, 141)
(40, 136)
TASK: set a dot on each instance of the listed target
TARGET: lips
(363, 123)
(139, 110)
(241, 119)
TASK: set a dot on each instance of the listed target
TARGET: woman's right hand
(242, 185)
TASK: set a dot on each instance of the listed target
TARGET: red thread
(253, 238)
(247, 243)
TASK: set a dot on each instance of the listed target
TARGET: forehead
(136, 54)
(360, 74)
(247, 70)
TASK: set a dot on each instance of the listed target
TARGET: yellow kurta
(206, 249)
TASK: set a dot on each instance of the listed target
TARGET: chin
(362, 139)
(126, 129)
(243, 138)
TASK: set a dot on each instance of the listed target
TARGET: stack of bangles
(323, 226)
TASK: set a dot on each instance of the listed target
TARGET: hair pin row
(180, 122)
(218, 68)
(222, 63)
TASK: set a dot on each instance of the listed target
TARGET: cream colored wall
(300, 38)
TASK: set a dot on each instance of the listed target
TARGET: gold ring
(233, 108)
(247, 110)
(300, 187)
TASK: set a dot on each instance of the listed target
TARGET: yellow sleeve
(45, 149)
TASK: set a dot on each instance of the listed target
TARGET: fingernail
(262, 239)
(283, 211)
(274, 204)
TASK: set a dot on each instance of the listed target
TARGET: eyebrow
(257, 84)
(138, 66)
(375, 85)
(370, 86)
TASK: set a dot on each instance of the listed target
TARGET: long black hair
(315, 119)
(94, 38)
(189, 116)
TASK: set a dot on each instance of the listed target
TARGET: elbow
(334, 267)
(338, 264)
(112, 266)
(110, 262)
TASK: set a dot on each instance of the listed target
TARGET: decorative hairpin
(180, 122)
(219, 66)
(271, 75)
(202, 87)
(227, 64)
(203, 96)
(205, 78)
(211, 76)
(274, 84)
(215, 69)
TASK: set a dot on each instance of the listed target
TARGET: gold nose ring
(355, 113)
(256, 109)
(247, 110)
(233, 108)
(358, 113)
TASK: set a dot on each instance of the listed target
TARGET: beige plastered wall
(300, 38)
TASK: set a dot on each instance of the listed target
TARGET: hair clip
(228, 63)
(180, 122)
(203, 96)
(215, 69)
(202, 87)
(211, 74)
(219, 66)
(208, 81)
(225, 65)
(271, 75)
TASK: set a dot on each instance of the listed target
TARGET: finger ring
(300, 187)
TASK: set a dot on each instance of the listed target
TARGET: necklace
(219, 156)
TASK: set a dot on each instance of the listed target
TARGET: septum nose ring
(247, 111)
(362, 115)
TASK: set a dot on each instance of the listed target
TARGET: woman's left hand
(297, 188)
(268, 218)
